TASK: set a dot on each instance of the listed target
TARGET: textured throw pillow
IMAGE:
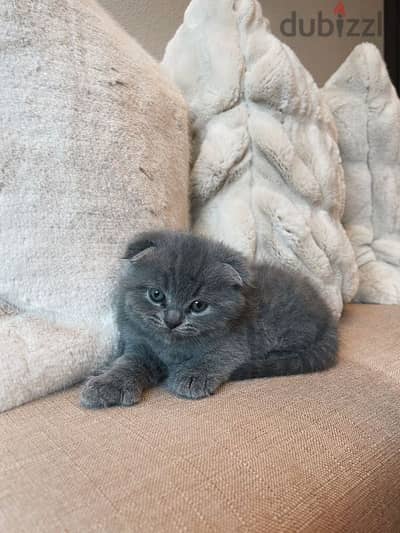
(266, 175)
(367, 112)
(93, 148)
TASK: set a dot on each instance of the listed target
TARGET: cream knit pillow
(266, 176)
(367, 113)
(93, 148)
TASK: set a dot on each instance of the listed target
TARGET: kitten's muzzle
(172, 318)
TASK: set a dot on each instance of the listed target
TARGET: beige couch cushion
(94, 147)
(317, 453)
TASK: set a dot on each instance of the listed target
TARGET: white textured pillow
(266, 176)
(367, 112)
(94, 147)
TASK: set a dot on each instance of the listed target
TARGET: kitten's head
(180, 285)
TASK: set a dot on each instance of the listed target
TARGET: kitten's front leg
(123, 382)
(193, 382)
(200, 376)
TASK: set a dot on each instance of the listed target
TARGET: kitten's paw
(192, 386)
(105, 391)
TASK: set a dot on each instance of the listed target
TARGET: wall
(154, 22)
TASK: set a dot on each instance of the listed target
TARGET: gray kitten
(195, 314)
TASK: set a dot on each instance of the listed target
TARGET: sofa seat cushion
(312, 453)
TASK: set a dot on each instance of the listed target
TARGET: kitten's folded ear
(237, 271)
(142, 245)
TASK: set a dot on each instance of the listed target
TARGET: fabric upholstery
(316, 453)
(93, 148)
(267, 177)
(366, 108)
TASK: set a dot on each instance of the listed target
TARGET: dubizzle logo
(341, 26)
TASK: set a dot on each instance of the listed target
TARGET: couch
(317, 453)
(94, 148)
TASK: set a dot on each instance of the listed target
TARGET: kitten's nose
(172, 318)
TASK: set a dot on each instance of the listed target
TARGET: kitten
(195, 314)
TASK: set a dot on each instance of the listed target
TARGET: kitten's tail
(319, 356)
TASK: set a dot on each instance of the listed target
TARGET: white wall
(154, 22)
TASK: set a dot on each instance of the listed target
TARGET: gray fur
(261, 321)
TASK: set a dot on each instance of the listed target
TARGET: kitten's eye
(198, 306)
(156, 296)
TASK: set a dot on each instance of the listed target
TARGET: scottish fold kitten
(195, 314)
